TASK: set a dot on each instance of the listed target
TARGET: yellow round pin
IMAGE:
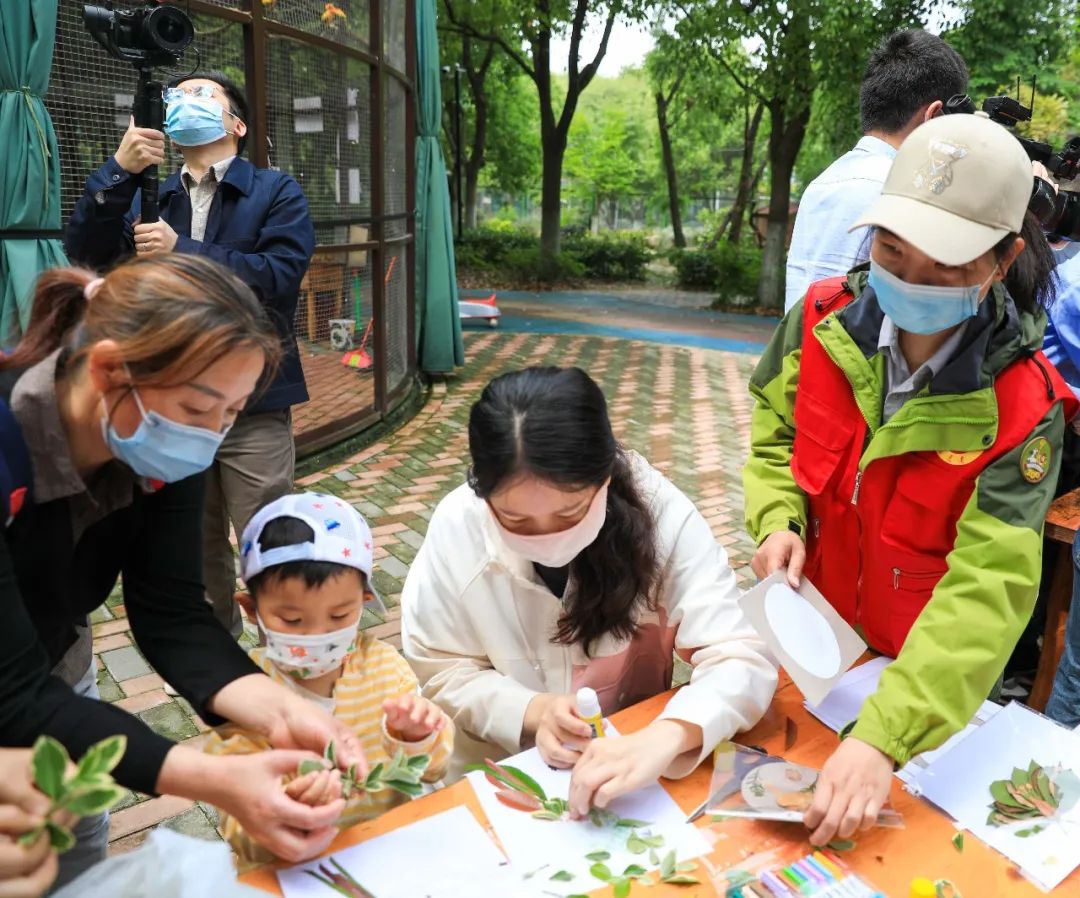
(959, 458)
(1035, 460)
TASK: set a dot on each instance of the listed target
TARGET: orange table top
(888, 858)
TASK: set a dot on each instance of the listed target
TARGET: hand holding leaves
(88, 789)
(402, 774)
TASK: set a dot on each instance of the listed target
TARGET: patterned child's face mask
(307, 657)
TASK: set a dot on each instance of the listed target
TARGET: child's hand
(316, 789)
(412, 718)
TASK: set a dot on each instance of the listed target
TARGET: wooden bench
(1062, 522)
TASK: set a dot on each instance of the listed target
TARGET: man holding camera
(254, 222)
(907, 81)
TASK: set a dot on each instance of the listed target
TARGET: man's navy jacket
(259, 228)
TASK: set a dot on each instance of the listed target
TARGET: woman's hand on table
(561, 736)
(250, 788)
(26, 871)
(286, 720)
(853, 787)
(780, 549)
(614, 765)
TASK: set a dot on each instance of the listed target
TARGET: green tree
(604, 162)
(523, 30)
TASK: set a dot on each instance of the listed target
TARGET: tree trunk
(672, 176)
(744, 192)
(746, 218)
(476, 160)
(788, 128)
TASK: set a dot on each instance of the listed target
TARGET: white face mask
(307, 657)
(559, 549)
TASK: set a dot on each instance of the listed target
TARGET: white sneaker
(170, 691)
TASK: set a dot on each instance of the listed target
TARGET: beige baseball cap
(958, 185)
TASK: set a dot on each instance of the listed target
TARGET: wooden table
(889, 858)
(1062, 522)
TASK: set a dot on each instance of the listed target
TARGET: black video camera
(152, 36)
(1058, 211)
(149, 36)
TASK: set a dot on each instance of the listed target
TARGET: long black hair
(553, 424)
(1032, 279)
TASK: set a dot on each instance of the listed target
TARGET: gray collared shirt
(202, 193)
(35, 405)
(900, 382)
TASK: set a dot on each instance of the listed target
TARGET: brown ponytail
(171, 317)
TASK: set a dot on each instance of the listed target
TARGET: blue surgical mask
(194, 121)
(162, 449)
(922, 308)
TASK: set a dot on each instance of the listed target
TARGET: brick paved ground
(336, 391)
(687, 410)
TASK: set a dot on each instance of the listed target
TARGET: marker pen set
(814, 876)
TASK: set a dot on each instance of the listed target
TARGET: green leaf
(601, 872)
(87, 802)
(50, 764)
(546, 815)
(958, 842)
(102, 757)
(841, 845)
(405, 788)
(681, 879)
(667, 865)
(634, 870)
(331, 753)
(419, 762)
(528, 781)
(621, 888)
(562, 876)
(374, 777)
(653, 841)
(686, 867)
(654, 858)
(597, 856)
(61, 837)
(310, 766)
(31, 836)
(635, 845)
(631, 822)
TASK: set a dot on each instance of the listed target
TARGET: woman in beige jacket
(567, 561)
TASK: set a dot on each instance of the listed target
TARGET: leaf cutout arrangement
(1028, 795)
(88, 790)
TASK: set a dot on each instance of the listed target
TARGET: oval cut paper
(802, 631)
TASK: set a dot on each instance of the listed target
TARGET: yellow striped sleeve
(232, 740)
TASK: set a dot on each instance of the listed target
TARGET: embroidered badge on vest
(959, 458)
(1035, 460)
(937, 174)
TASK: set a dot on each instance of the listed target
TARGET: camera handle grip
(149, 112)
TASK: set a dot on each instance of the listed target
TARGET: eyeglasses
(201, 91)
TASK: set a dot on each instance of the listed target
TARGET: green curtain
(438, 323)
(29, 160)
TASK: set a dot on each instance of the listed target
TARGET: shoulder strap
(823, 298)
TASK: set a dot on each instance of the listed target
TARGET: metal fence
(331, 92)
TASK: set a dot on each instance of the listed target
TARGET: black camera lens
(169, 29)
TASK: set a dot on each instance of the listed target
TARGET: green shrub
(613, 257)
(486, 248)
(530, 265)
(732, 271)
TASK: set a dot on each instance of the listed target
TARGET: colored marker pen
(809, 872)
(820, 867)
(588, 708)
(775, 885)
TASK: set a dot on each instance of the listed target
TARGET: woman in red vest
(906, 443)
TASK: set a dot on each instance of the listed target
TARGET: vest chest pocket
(823, 439)
(925, 503)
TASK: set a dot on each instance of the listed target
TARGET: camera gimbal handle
(149, 112)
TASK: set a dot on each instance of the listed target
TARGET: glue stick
(588, 708)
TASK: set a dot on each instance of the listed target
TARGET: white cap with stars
(342, 536)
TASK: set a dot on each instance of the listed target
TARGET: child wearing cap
(905, 447)
(307, 560)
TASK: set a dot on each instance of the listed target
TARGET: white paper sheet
(959, 783)
(445, 856)
(551, 846)
(811, 640)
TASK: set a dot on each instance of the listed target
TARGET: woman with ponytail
(118, 395)
(567, 561)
